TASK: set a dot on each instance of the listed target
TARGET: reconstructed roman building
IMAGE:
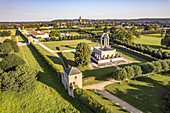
(104, 54)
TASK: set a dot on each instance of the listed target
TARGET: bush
(90, 102)
(158, 66)
(11, 61)
(23, 77)
(120, 74)
(137, 70)
(165, 66)
(147, 67)
(6, 48)
(130, 71)
(13, 44)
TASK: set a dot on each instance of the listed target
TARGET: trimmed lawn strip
(144, 93)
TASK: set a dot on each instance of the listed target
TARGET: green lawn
(144, 93)
(69, 44)
(109, 104)
(153, 40)
(22, 39)
(13, 31)
(97, 31)
(48, 95)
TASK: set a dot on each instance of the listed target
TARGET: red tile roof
(38, 32)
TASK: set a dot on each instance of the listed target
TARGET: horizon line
(84, 19)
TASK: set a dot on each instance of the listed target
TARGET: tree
(137, 70)
(54, 33)
(165, 55)
(162, 33)
(148, 27)
(112, 29)
(165, 65)
(23, 77)
(130, 71)
(82, 54)
(158, 66)
(120, 74)
(6, 48)
(154, 52)
(147, 67)
(11, 61)
(106, 30)
(123, 35)
(166, 41)
(159, 55)
(13, 44)
(133, 30)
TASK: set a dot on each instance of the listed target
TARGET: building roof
(72, 71)
(38, 33)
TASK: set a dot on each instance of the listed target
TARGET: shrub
(11, 61)
(13, 44)
(137, 70)
(158, 66)
(165, 55)
(130, 71)
(165, 66)
(120, 74)
(21, 78)
(147, 67)
(6, 48)
(90, 102)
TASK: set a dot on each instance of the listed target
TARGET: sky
(46, 10)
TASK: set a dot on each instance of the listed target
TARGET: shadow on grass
(50, 79)
(140, 95)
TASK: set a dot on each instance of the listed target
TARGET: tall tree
(106, 30)
(82, 54)
(123, 34)
(166, 41)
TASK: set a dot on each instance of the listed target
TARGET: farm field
(97, 31)
(115, 108)
(69, 44)
(48, 94)
(144, 93)
(153, 40)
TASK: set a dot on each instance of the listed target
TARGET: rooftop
(72, 71)
(38, 32)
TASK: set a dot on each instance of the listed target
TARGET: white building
(39, 34)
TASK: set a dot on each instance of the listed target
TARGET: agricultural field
(97, 31)
(115, 108)
(48, 94)
(69, 44)
(153, 40)
(144, 93)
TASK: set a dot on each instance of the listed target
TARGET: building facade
(39, 34)
(71, 79)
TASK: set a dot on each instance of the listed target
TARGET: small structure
(30, 39)
(104, 54)
(71, 79)
(39, 34)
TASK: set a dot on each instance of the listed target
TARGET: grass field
(114, 108)
(153, 40)
(13, 31)
(97, 31)
(69, 44)
(48, 95)
(143, 93)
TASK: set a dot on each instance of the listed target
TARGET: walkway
(99, 87)
(53, 52)
(119, 102)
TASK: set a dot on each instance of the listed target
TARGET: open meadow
(153, 40)
(145, 93)
(69, 44)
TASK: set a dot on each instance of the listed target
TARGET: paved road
(99, 85)
(119, 102)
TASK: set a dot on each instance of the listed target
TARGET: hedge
(90, 102)
(135, 53)
(145, 68)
